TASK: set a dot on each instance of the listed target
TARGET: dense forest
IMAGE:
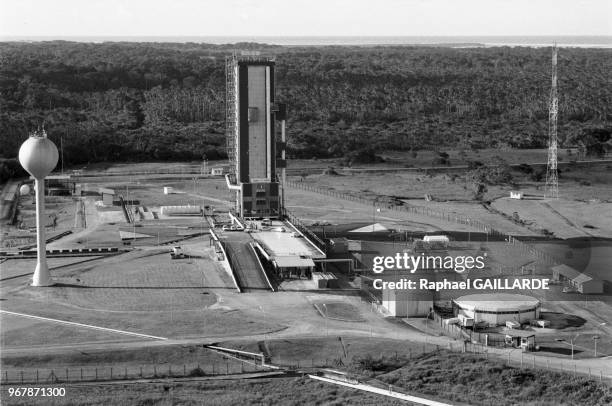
(157, 101)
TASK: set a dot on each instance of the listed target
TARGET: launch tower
(251, 114)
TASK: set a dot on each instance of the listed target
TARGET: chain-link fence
(234, 368)
(115, 372)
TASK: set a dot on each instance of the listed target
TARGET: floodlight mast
(38, 155)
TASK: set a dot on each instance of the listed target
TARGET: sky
(304, 17)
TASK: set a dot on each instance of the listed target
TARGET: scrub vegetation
(275, 391)
(477, 381)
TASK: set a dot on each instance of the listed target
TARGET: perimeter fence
(72, 374)
(232, 368)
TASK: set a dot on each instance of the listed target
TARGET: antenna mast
(551, 190)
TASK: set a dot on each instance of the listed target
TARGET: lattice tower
(551, 189)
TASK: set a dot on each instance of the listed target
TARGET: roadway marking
(71, 323)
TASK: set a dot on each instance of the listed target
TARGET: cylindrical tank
(496, 309)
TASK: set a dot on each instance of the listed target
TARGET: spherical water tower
(38, 155)
(24, 190)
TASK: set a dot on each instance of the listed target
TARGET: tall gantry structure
(551, 189)
(251, 114)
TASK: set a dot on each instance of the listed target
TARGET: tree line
(161, 101)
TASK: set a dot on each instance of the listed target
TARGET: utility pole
(62, 149)
(551, 189)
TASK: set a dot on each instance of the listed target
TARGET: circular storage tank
(24, 190)
(497, 309)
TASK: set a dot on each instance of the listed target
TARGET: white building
(407, 303)
(496, 309)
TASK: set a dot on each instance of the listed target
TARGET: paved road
(248, 272)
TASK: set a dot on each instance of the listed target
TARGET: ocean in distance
(451, 41)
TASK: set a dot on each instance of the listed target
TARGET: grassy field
(424, 159)
(19, 331)
(476, 381)
(137, 281)
(283, 351)
(146, 355)
(584, 192)
(308, 351)
(564, 218)
(274, 391)
(451, 377)
(141, 291)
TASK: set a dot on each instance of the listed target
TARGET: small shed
(587, 284)
(581, 281)
(520, 339)
(563, 273)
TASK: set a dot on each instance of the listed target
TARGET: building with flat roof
(217, 171)
(288, 251)
(520, 339)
